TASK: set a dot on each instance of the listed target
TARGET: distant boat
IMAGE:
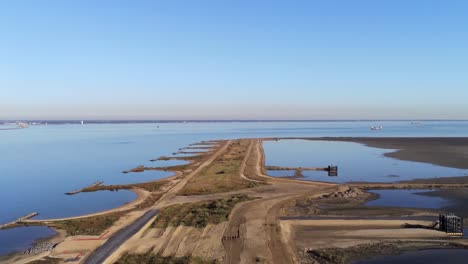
(376, 127)
(82, 122)
(22, 125)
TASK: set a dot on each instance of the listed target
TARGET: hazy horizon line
(223, 120)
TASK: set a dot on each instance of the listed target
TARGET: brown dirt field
(182, 241)
(257, 222)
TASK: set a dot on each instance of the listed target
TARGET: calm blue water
(281, 173)
(408, 198)
(39, 164)
(22, 238)
(356, 162)
(430, 256)
(94, 201)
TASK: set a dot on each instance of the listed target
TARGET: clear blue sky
(234, 59)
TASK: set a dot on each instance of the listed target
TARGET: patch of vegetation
(140, 168)
(198, 214)
(223, 174)
(187, 158)
(149, 186)
(202, 146)
(92, 226)
(157, 259)
(171, 168)
(163, 158)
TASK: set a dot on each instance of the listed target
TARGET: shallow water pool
(408, 198)
(356, 162)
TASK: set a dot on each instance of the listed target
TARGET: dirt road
(255, 224)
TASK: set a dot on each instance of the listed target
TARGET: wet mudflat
(429, 256)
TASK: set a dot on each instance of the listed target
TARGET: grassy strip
(198, 147)
(193, 158)
(223, 174)
(157, 259)
(93, 226)
(171, 168)
(140, 168)
(198, 214)
(149, 186)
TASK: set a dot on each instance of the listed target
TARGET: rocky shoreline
(40, 247)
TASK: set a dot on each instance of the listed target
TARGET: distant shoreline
(153, 121)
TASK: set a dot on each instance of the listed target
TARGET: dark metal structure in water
(451, 224)
(332, 170)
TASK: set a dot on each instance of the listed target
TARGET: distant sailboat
(82, 122)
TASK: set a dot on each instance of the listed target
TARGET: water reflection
(83, 203)
(281, 173)
(408, 198)
(21, 238)
(356, 162)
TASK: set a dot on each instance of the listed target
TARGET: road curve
(113, 243)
